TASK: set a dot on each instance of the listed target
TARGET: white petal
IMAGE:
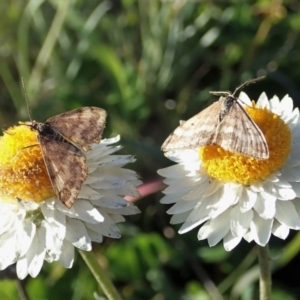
(100, 151)
(285, 193)
(67, 255)
(77, 235)
(280, 182)
(244, 98)
(112, 201)
(198, 215)
(53, 242)
(108, 183)
(36, 253)
(109, 141)
(265, 206)
(184, 155)
(296, 203)
(204, 189)
(6, 221)
(8, 250)
(248, 236)
(275, 105)
(180, 218)
(230, 241)
(263, 101)
(126, 211)
(116, 218)
(269, 190)
(183, 206)
(86, 212)
(294, 157)
(88, 193)
(55, 218)
(261, 230)
(105, 229)
(280, 230)
(296, 188)
(178, 188)
(170, 199)
(273, 177)
(230, 196)
(25, 236)
(291, 175)
(287, 215)
(128, 189)
(214, 230)
(296, 134)
(240, 222)
(28, 205)
(22, 265)
(211, 187)
(176, 171)
(292, 120)
(95, 236)
(287, 106)
(247, 200)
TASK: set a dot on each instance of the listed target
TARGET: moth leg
(23, 149)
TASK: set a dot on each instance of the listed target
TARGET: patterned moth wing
(237, 132)
(63, 138)
(82, 126)
(196, 131)
(224, 123)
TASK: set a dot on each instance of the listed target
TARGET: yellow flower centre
(23, 174)
(233, 167)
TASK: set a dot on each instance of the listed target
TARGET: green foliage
(8, 290)
(149, 63)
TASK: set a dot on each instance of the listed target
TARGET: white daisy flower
(44, 229)
(233, 196)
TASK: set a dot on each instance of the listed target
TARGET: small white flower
(32, 232)
(262, 197)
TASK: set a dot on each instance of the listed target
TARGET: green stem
(100, 275)
(22, 290)
(265, 273)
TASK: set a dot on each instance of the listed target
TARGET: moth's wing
(66, 166)
(238, 133)
(195, 132)
(82, 126)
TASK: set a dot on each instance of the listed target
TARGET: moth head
(32, 124)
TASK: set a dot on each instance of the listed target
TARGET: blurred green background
(150, 63)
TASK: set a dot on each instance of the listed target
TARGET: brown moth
(224, 123)
(64, 139)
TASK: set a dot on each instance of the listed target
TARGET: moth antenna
(25, 95)
(220, 93)
(248, 82)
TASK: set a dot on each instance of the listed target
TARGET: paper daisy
(42, 228)
(233, 196)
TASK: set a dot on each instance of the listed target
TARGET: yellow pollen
(233, 167)
(23, 173)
